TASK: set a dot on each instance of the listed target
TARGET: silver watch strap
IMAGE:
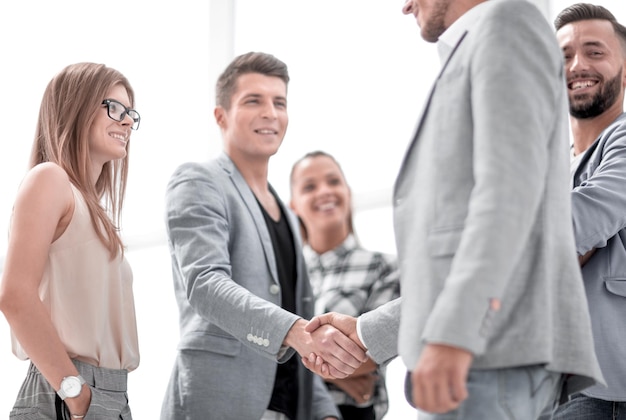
(61, 392)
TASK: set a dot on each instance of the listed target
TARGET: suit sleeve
(379, 331)
(599, 201)
(516, 90)
(197, 222)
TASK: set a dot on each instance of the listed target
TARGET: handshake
(328, 345)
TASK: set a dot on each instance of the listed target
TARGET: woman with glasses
(346, 278)
(66, 289)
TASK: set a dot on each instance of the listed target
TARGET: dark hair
(585, 11)
(252, 62)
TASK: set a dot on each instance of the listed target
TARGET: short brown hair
(252, 62)
(585, 11)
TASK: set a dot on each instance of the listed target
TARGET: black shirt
(285, 395)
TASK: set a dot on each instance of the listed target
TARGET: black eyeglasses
(117, 112)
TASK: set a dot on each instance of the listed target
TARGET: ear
(220, 116)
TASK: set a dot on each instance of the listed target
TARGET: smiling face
(594, 66)
(321, 197)
(108, 138)
(255, 124)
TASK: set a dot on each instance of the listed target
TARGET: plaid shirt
(351, 280)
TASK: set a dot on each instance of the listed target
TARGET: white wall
(359, 74)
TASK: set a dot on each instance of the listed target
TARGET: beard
(600, 102)
(435, 26)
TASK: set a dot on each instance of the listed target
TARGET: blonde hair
(68, 109)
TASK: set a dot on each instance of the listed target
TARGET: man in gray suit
(240, 282)
(493, 311)
(594, 47)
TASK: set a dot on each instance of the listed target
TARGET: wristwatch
(70, 387)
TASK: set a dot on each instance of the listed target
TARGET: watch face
(71, 386)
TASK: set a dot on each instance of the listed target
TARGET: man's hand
(340, 353)
(344, 323)
(316, 362)
(361, 384)
(440, 378)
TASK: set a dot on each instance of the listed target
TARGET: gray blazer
(599, 210)
(228, 294)
(482, 209)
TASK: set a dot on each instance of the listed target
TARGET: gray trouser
(38, 400)
(508, 393)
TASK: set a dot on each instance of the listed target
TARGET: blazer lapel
(409, 149)
(252, 205)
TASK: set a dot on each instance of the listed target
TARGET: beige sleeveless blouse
(89, 297)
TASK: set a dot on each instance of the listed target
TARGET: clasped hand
(343, 326)
(439, 380)
(341, 355)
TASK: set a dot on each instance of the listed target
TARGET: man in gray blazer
(240, 282)
(594, 47)
(493, 309)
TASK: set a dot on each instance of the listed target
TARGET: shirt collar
(451, 36)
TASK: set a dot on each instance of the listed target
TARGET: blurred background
(359, 75)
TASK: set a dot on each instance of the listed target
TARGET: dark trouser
(350, 412)
(582, 407)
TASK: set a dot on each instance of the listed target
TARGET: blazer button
(266, 342)
(274, 289)
(249, 337)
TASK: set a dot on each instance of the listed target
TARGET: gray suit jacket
(228, 294)
(482, 208)
(599, 210)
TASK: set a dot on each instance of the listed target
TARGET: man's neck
(585, 131)
(254, 170)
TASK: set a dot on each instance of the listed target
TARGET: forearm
(598, 198)
(31, 324)
(33, 328)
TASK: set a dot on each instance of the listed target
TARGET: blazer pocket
(220, 344)
(444, 242)
(617, 286)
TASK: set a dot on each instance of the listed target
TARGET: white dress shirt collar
(448, 40)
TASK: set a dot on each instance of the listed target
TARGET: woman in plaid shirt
(345, 277)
